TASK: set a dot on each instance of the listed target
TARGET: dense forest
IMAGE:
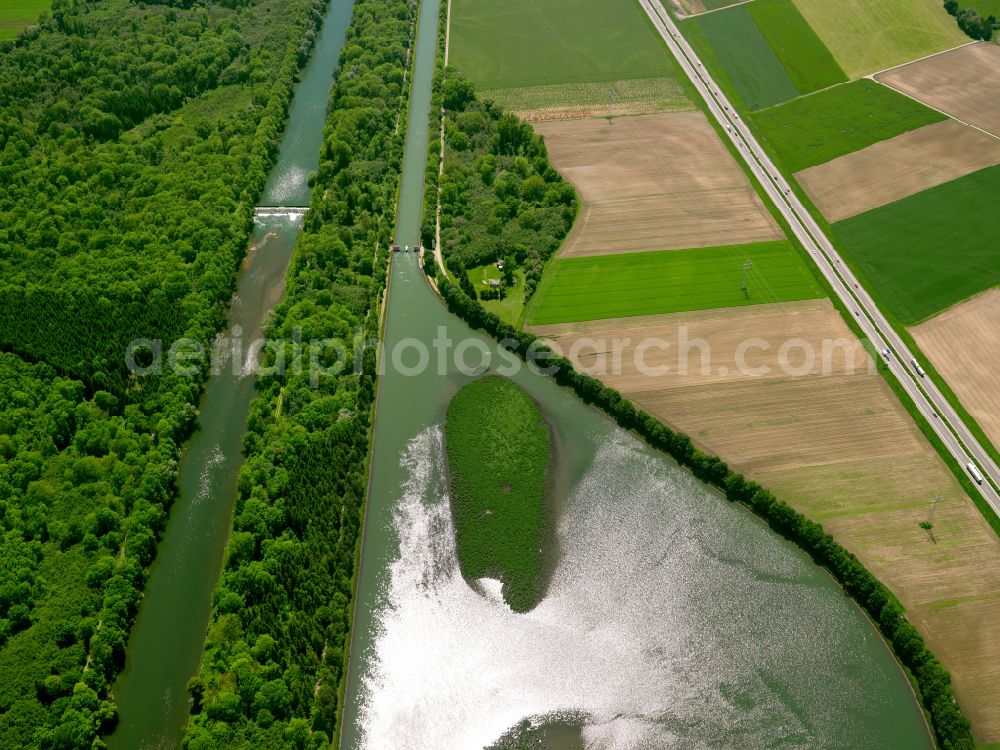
(134, 140)
(501, 200)
(278, 636)
(133, 144)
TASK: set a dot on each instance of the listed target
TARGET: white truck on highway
(974, 472)
(918, 368)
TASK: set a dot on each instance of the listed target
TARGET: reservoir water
(165, 647)
(672, 618)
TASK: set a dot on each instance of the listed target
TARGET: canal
(165, 648)
(672, 619)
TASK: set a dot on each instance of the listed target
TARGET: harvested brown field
(962, 343)
(964, 83)
(838, 446)
(898, 167)
(654, 182)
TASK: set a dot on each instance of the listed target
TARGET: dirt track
(654, 182)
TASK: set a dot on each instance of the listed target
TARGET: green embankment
(930, 250)
(527, 43)
(805, 58)
(744, 54)
(667, 281)
(822, 126)
(498, 458)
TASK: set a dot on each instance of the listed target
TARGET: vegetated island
(499, 451)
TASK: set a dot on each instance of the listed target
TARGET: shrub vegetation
(971, 22)
(498, 457)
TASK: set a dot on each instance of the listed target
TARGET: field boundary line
(939, 111)
(873, 78)
(920, 59)
(806, 95)
(716, 10)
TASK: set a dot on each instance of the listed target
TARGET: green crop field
(498, 456)
(805, 58)
(866, 36)
(742, 52)
(666, 281)
(822, 126)
(931, 250)
(540, 42)
(16, 14)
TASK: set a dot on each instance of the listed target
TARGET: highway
(931, 403)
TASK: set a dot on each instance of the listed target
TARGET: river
(672, 619)
(165, 647)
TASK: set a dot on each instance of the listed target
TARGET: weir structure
(290, 211)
